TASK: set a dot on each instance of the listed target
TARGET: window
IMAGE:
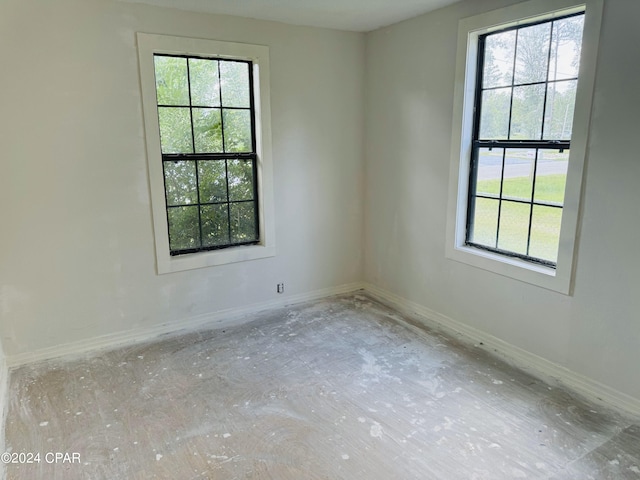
(525, 94)
(521, 117)
(207, 137)
(208, 150)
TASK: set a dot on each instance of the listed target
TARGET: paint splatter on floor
(341, 388)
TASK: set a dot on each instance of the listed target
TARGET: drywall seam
(527, 361)
(219, 319)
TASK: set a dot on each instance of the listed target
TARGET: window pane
(235, 84)
(545, 232)
(566, 44)
(532, 54)
(514, 227)
(526, 116)
(240, 180)
(551, 176)
(184, 228)
(518, 173)
(207, 130)
(215, 225)
(180, 182)
(237, 130)
(494, 121)
(498, 59)
(558, 117)
(213, 181)
(525, 93)
(171, 80)
(485, 222)
(243, 222)
(489, 171)
(205, 84)
(175, 130)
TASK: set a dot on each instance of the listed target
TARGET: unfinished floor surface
(342, 388)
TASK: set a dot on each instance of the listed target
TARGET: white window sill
(540, 275)
(180, 263)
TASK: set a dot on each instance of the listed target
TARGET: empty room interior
(356, 239)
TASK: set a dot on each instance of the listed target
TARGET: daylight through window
(206, 117)
(525, 97)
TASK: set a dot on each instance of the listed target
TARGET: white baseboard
(527, 361)
(533, 364)
(219, 319)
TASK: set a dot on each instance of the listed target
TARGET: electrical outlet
(280, 288)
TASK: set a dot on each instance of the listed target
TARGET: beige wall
(77, 246)
(595, 332)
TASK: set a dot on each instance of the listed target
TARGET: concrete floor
(335, 389)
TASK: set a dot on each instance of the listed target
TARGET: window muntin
(525, 96)
(207, 129)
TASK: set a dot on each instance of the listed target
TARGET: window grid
(536, 144)
(199, 158)
(223, 156)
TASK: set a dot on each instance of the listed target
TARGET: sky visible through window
(526, 100)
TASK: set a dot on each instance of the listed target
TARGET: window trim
(150, 44)
(469, 29)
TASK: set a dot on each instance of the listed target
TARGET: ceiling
(354, 15)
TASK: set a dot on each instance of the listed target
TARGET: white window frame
(148, 45)
(469, 29)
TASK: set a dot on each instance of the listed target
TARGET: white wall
(77, 246)
(77, 258)
(595, 332)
